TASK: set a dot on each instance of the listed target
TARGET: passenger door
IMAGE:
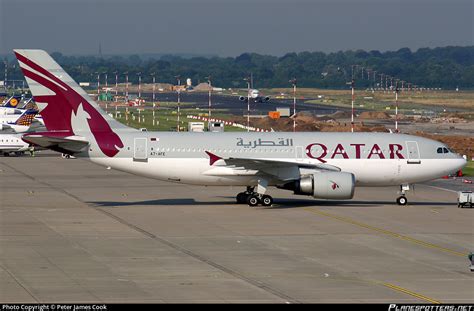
(140, 152)
(413, 152)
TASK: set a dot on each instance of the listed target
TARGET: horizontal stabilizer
(53, 141)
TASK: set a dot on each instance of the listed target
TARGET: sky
(232, 27)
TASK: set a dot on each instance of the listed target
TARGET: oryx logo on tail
(63, 103)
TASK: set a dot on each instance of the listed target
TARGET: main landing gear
(254, 198)
(402, 199)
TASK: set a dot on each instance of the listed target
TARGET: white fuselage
(181, 157)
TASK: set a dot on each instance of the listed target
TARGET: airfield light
(178, 78)
(293, 82)
(386, 83)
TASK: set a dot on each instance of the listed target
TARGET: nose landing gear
(402, 200)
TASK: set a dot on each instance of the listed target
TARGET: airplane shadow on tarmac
(278, 203)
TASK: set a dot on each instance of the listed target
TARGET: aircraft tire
(402, 200)
(253, 200)
(267, 200)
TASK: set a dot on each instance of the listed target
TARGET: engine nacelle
(325, 185)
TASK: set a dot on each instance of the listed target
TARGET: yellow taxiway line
(409, 292)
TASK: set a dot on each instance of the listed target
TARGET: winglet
(212, 158)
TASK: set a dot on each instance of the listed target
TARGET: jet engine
(324, 185)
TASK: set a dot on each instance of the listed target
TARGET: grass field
(166, 117)
(469, 169)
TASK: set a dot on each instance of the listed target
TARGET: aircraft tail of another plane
(66, 108)
(27, 117)
(12, 102)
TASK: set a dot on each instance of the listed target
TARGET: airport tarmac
(71, 231)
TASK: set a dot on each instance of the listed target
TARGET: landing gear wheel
(242, 198)
(267, 200)
(253, 200)
(402, 200)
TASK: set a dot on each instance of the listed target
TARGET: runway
(71, 231)
(232, 104)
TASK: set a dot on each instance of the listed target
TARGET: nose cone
(459, 163)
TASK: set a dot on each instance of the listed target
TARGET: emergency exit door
(140, 152)
(413, 152)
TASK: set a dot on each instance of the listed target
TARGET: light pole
(210, 103)
(396, 106)
(116, 93)
(106, 91)
(139, 85)
(5, 62)
(139, 95)
(98, 85)
(153, 75)
(248, 80)
(178, 78)
(126, 96)
(352, 98)
(293, 82)
(352, 104)
(116, 86)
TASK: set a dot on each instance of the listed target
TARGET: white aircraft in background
(12, 143)
(322, 165)
(256, 96)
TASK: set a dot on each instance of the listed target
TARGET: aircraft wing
(283, 170)
(66, 144)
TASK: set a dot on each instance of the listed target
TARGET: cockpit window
(443, 150)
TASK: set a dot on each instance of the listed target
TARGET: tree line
(444, 67)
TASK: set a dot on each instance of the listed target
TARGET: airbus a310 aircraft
(322, 165)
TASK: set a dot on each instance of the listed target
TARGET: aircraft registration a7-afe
(322, 165)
